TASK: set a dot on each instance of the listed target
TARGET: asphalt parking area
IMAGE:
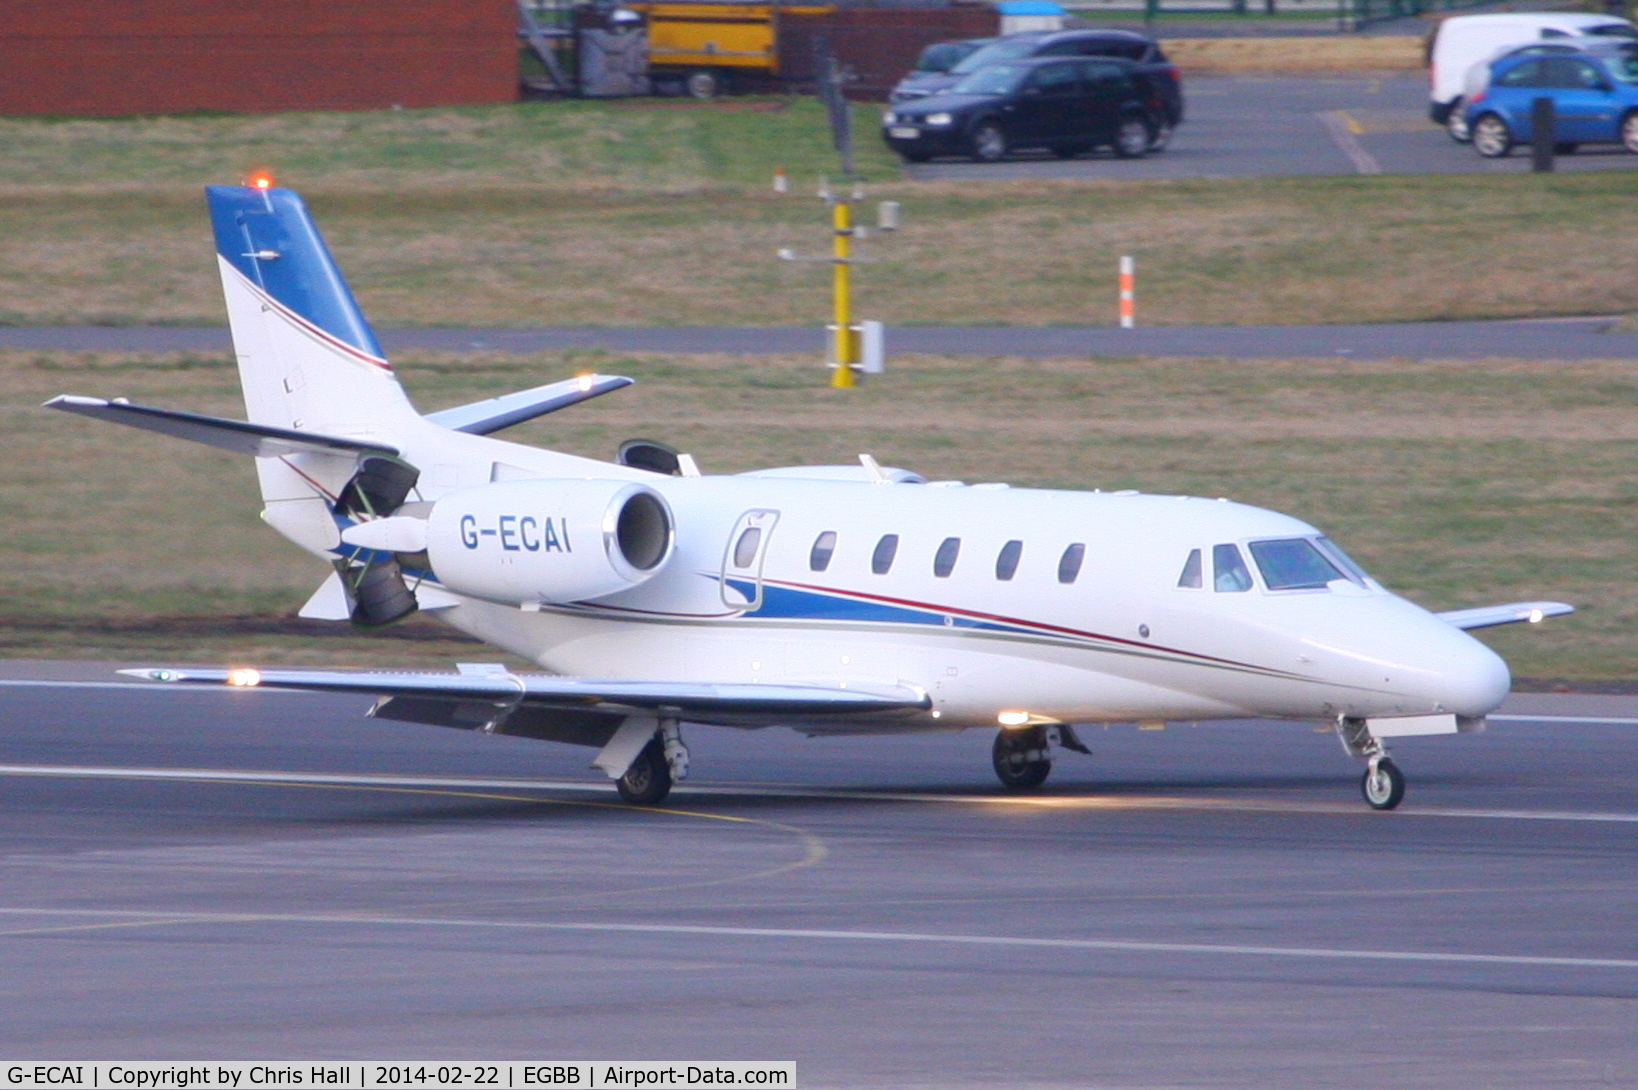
(1253, 127)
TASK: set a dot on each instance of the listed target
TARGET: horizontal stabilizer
(731, 702)
(235, 435)
(1512, 613)
(483, 417)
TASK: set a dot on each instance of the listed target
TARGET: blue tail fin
(267, 235)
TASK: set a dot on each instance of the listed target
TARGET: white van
(1463, 41)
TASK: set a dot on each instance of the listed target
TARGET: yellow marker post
(842, 343)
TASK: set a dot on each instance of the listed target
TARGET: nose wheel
(1383, 785)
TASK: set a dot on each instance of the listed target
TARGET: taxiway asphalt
(211, 874)
(1543, 339)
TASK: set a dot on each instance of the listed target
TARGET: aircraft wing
(737, 703)
(1511, 613)
(493, 414)
(260, 440)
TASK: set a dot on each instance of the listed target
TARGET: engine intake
(549, 541)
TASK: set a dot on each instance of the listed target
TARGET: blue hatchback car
(1594, 93)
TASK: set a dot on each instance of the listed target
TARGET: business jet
(856, 599)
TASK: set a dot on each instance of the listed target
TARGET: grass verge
(1288, 250)
(1458, 483)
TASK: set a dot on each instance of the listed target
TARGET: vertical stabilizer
(307, 358)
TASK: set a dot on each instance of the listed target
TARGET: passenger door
(1046, 105)
(1108, 89)
(742, 559)
(1583, 100)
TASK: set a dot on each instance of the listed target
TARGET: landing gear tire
(1383, 785)
(1021, 758)
(648, 780)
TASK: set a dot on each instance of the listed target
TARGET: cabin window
(745, 547)
(1293, 564)
(1190, 578)
(824, 547)
(1069, 564)
(945, 559)
(1006, 564)
(886, 549)
(1228, 569)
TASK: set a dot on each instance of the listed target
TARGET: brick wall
(109, 57)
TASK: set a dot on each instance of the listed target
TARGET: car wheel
(1565, 147)
(1456, 123)
(1132, 138)
(1491, 138)
(989, 142)
(1629, 132)
(1161, 137)
(702, 83)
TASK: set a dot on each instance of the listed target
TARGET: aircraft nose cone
(1474, 679)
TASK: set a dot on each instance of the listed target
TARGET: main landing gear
(662, 762)
(1023, 756)
(1383, 784)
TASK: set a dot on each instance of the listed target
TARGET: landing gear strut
(661, 763)
(1383, 784)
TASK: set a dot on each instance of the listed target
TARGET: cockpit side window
(1342, 560)
(1228, 569)
(824, 547)
(1293, 564)
(1190, 579)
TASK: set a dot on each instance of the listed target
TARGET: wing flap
(725, 702)
(237, 436)
(1511, 613)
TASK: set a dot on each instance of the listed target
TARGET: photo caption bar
(397, 1074)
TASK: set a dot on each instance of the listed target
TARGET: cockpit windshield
(1294, 564)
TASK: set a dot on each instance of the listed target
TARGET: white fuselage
(1121, 641)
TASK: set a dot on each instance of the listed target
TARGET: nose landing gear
(1383, 785)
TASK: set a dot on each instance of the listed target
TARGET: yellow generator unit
(704, 44)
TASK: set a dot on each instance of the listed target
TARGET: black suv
(1151, 66)
(1066, 106)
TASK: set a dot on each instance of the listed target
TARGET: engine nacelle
(548, 541)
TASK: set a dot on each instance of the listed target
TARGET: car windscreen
(1000, 79)
(1293, 564)
(942, 56)
(1005, 50)
(1613, 30)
